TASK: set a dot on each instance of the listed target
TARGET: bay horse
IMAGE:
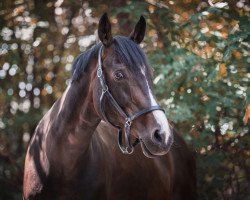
(74, 154)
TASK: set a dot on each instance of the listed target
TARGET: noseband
(126, 148)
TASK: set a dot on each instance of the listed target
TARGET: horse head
(123, 94)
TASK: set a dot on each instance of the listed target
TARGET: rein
(126, 148)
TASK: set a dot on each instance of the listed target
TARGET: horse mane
(127, 50)
(81, 62)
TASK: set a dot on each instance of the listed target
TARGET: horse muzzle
(157, 145)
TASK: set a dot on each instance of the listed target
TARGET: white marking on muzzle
(159, 115)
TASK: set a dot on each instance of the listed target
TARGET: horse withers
(74, 155)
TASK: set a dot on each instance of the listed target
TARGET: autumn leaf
(237, 55)
(151, 8)
(247, 114)
(222, 71)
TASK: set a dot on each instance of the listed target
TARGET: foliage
(200, 53)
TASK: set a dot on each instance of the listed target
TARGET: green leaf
(227, 54)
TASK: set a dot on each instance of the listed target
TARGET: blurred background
(198, 49)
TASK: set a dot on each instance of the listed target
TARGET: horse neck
(73, 121)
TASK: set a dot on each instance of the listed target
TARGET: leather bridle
(128, 148)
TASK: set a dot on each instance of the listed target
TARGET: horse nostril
(157, 136)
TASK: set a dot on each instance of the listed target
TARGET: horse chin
(149, 153)
(145, 151)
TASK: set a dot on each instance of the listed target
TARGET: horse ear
(138, 33)
(104, 30)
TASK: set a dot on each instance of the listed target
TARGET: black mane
(128, 51)
(81, 62)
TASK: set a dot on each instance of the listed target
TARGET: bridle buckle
(128, 152)
(99, 72)
(128, 122)
(105, 89)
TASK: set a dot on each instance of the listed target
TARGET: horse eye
(118, 75)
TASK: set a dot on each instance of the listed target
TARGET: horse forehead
(138, 71)
(147, 82)
(146, 73)
(108, 61)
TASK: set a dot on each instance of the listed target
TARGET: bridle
(128, 148)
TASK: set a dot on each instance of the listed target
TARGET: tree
(199, 51)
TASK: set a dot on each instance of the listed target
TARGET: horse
(74, 153)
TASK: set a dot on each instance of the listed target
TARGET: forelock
(130, 53)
